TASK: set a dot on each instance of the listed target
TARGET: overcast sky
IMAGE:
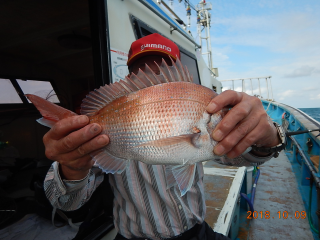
(278, 38)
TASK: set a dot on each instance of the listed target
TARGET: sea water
(312, 112)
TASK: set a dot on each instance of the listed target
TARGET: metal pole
(199, 33)
(251, 87)
(233, 85)
(208, 41)
(243, 86)
(307, 162)
(271, 89)
(259, 88)
(267, 88)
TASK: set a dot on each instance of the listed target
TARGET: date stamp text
(280, 215)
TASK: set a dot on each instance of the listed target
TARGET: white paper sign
(119, 64)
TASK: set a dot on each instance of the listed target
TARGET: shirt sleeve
(70, 195)
(246, 159)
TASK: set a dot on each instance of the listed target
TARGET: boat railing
(264, 87)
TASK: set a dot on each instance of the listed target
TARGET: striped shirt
(143, 206)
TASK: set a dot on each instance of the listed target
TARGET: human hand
(70, 142)
(247, 123)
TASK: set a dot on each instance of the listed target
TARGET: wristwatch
(276, 149)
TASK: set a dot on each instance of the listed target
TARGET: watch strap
(276, 149)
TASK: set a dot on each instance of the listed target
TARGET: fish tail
(51, 113)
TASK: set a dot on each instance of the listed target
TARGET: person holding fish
(150, 132)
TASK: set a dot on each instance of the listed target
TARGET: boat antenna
(203, 22)
(189, 15)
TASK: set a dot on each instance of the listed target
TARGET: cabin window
(191, 64)
(42, 89)
(12, 90)
(8, 93)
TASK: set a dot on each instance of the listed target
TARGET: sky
(278, 38)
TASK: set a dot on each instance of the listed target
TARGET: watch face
(282, 136)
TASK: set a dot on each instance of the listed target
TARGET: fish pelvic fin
(109, 163)
(101, 97)
(171, 141)
(183, 175)
(51, 113)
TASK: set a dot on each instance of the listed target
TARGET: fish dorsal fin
(145, 79)
(127, 86)
(164, 74)
(180, 68)
(177, 74)
(101, 97)
(189, 76)
(164, 66)
(139, 82)
(154, 77)
(132, 84)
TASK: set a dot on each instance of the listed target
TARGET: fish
(156, 119)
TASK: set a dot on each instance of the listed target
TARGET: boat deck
(277, 191)
(222, 193)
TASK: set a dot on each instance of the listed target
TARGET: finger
(78, 138)
(231, 120)
(241, 131)
(249, 140)
(224, 99)
(88, 147)
(66, 126)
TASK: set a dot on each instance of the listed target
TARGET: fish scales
(148, 120)
(158, 112)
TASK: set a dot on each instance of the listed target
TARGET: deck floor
(277, 190)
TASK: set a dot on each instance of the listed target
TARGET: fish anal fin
(108, 163)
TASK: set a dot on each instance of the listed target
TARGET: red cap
(153, 44)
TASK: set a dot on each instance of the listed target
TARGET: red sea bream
(156, 119)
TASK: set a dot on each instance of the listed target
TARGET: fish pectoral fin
(109, 163)
(183, 175)
(186, 138)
